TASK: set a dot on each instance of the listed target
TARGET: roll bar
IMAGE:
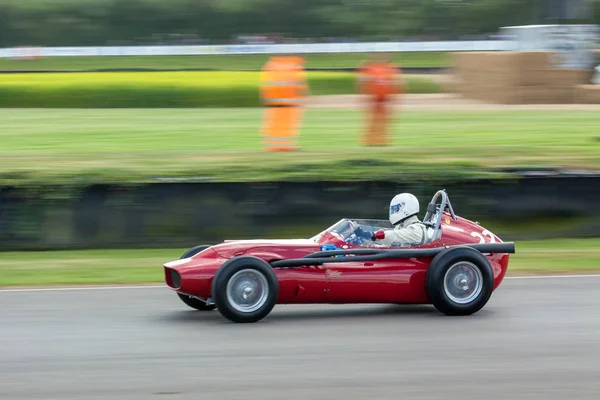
(433, 217)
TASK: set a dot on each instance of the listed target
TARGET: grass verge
(145, 266)
(233, 62)
(163, 89)
(85, 146)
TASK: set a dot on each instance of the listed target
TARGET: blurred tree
(98, 22)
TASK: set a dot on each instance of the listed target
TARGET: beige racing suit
(410, 232)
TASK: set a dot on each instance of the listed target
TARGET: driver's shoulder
(417, 225)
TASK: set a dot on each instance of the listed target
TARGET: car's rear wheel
(459, 281)
(196, 303)
(245, 289)
(191, 301)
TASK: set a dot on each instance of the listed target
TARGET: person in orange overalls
(283, 90)
(381, 81)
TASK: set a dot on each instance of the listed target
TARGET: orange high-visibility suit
(283, 91)
(380, 81)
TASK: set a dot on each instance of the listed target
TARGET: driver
(408, 230)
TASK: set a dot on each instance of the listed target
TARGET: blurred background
(139, 124)
(130, 22)
(133, 130)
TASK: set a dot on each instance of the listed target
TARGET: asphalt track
(535, 339)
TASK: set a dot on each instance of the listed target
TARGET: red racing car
(456, 270)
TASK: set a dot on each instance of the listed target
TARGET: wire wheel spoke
(247, 290)
(463, 282)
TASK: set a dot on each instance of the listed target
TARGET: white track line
(553, 276)
(82, 288)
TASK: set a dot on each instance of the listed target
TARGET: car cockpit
(358, 232)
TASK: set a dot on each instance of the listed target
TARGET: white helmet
(403, 206)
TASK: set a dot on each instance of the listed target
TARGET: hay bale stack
(587, 94)
(534, 68)
(486, 76)
(518, 78)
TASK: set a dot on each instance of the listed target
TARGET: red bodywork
(383, 281)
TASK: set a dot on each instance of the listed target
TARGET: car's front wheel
(245, 289)
(459, 281)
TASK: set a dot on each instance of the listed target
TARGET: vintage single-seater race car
(456, 269)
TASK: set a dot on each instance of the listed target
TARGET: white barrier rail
(442, 46)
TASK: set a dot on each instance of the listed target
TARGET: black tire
(194, 250)
(224, 275)
(195, 303)
(436, 274)
(190, 301)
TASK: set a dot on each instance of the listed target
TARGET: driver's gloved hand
(380, 234)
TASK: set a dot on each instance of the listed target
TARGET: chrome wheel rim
(463, 282)
(247, 290)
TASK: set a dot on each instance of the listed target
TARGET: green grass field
(145, 266)
(247, 62)
(225, 144)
